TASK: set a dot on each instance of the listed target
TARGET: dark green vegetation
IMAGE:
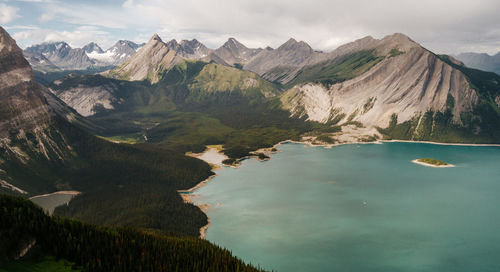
(197, 104)
(337, 70)
(432, 161)
(46, 78)
(121, 184)
(40, 264)
(97, 248)
(480, 126)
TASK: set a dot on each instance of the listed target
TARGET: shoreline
(416, 161)
(438, 143)
(74, 193)
(185, 194)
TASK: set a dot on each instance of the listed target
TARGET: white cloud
(45, 17)
(76, 38)
(8, 13)
(323, 24)
(442, 26)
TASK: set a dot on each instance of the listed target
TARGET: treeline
(97, 248)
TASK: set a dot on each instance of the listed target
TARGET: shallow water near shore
(360, 208)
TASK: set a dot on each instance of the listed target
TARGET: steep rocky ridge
(404, 83)
(115, 55)
(62, 55)
(27, 121)
(410, 83)
(92, 47)
(233, 52)
(192, 49)
(149, 62)
(40, 62)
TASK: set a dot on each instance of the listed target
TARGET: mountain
(281, 64)
(192, 49)
(234, 52)
(58, 56)
(45, 147)
(28, 123)
(390, 87)
(116, 54)
(40, 63)
(92, 47)
(397, 84)
(62, 55)
(149, 63)
(481, 61)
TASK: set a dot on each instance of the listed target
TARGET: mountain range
(481, 61)
(120, 136)
(57, 56)
(374, 83)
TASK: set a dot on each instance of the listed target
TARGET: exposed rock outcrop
(407, 84)
(148, 63)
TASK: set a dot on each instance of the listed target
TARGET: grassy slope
(195, 104)
(337, 70)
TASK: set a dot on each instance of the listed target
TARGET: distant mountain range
(481, 61)
(390, 86)
(58, 56)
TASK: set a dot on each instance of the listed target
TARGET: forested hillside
(97, 248)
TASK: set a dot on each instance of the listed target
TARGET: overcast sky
(443, 26)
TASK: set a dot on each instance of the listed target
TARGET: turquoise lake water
(360, 208)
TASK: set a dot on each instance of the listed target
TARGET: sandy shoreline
(187, 196)
(432, 165)
(57, 193)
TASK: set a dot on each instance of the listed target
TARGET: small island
(432, 163)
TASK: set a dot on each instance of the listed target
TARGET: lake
(360, 208)
(51, 201)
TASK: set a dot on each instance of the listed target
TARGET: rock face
(25, 114)
(481, 61)
(40, 62)
(62, 55)
(148, 63)
(408, 81)
(192, 49)
(116, 54)
(233, 52)
(281, 64)
(92, 47)
(89, 100)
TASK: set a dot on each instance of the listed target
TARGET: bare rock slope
(148, 63)
(407, 81)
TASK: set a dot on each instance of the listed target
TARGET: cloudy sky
(444, 26)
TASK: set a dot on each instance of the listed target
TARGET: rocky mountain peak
(173, 44)
(293, 44)
(233, 44)
(92, 47)
(148, 63)
(155, 38)
(6, 42)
